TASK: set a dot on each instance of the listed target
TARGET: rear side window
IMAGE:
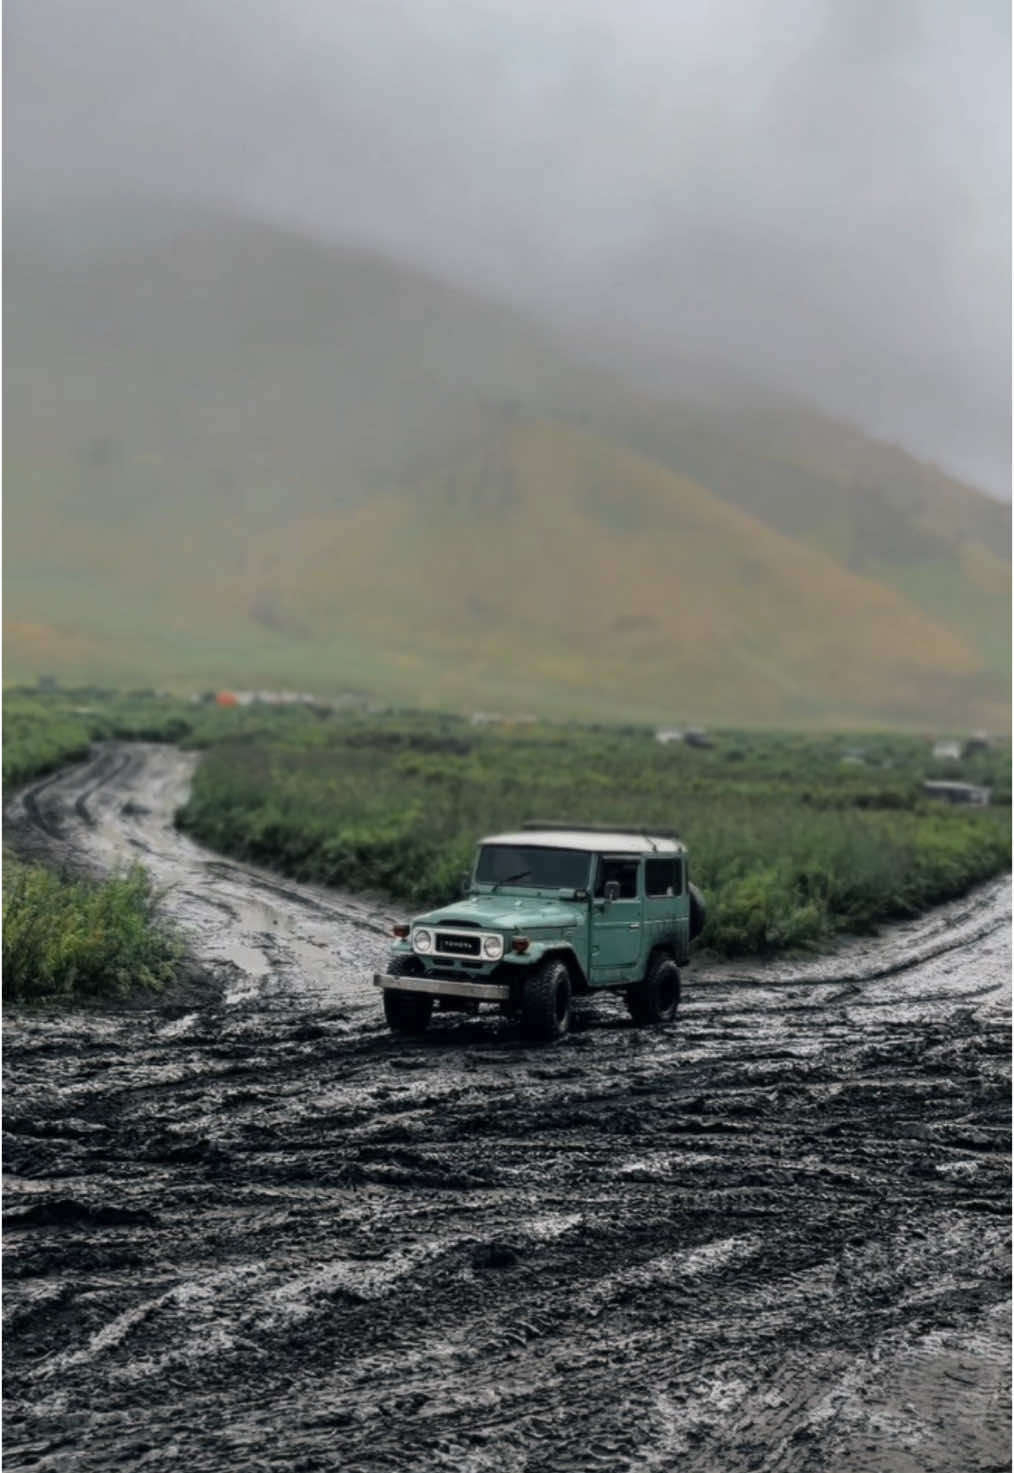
(663, 877)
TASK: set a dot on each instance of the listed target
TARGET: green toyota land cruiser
(552, 912)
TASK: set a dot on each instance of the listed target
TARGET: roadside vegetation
(790, 843)
(68, 939)
(44, 730)
(793, 838)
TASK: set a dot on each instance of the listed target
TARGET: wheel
(545, 1005)
(656, 999)
(698, 912)
(406, 1012)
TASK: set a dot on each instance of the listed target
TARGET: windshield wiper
(511, 879)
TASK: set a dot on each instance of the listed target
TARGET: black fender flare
(569, 957)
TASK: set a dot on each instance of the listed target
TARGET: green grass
(44, 730)
(69, 939)
(790, 846)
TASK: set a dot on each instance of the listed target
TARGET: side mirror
(612, 890)
(465, 882)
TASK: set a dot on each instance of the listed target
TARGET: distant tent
(226, 698)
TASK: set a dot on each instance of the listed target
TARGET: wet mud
(250, 1229)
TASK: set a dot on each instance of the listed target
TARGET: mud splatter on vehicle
(248, 1227)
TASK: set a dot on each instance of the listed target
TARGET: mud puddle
(255, 1231)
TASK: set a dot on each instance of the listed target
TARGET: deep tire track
(37, 817)
(254, 1230)
(104, 773)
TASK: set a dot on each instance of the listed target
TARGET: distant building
(949, 792)
(668, 734)
(947, 751)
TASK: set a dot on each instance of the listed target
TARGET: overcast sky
(817, 191)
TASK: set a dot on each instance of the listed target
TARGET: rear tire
(406, 1012)
(545, 1006)
(656, 999)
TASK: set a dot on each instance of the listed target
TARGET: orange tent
(226, 698)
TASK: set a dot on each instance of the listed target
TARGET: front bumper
(444, 987)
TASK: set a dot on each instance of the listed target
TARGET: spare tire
(698, 912)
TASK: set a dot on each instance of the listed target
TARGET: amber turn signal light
(520, 943)
(401, 931)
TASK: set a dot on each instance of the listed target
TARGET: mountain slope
(870, 506)
(581, 566)
(233, 455)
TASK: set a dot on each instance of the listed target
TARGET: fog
(815, 192)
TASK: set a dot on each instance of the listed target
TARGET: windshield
(539, 869)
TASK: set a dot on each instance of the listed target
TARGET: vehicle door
(666, 904)
(616, 938)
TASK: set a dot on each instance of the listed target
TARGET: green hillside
(871, 507)
(235, 456)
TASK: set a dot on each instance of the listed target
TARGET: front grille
(457, 945)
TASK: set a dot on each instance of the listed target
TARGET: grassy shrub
(44, 730)
(789, 844)
(73, 939)
(38, 741)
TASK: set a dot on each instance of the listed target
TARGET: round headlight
(492, 947)
(422, 941)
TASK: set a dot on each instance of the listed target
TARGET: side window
(664, 877)
(661, 877)
(623, 871)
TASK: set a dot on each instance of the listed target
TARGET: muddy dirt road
(254, 1231)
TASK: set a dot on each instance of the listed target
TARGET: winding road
(246, 1228)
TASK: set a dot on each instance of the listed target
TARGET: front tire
(406, 1012)
(656, 998)
(545, 1006)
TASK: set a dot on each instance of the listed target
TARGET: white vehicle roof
(591, 841)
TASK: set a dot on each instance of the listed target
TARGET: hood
(506, 913)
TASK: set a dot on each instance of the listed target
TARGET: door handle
(634, 926)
